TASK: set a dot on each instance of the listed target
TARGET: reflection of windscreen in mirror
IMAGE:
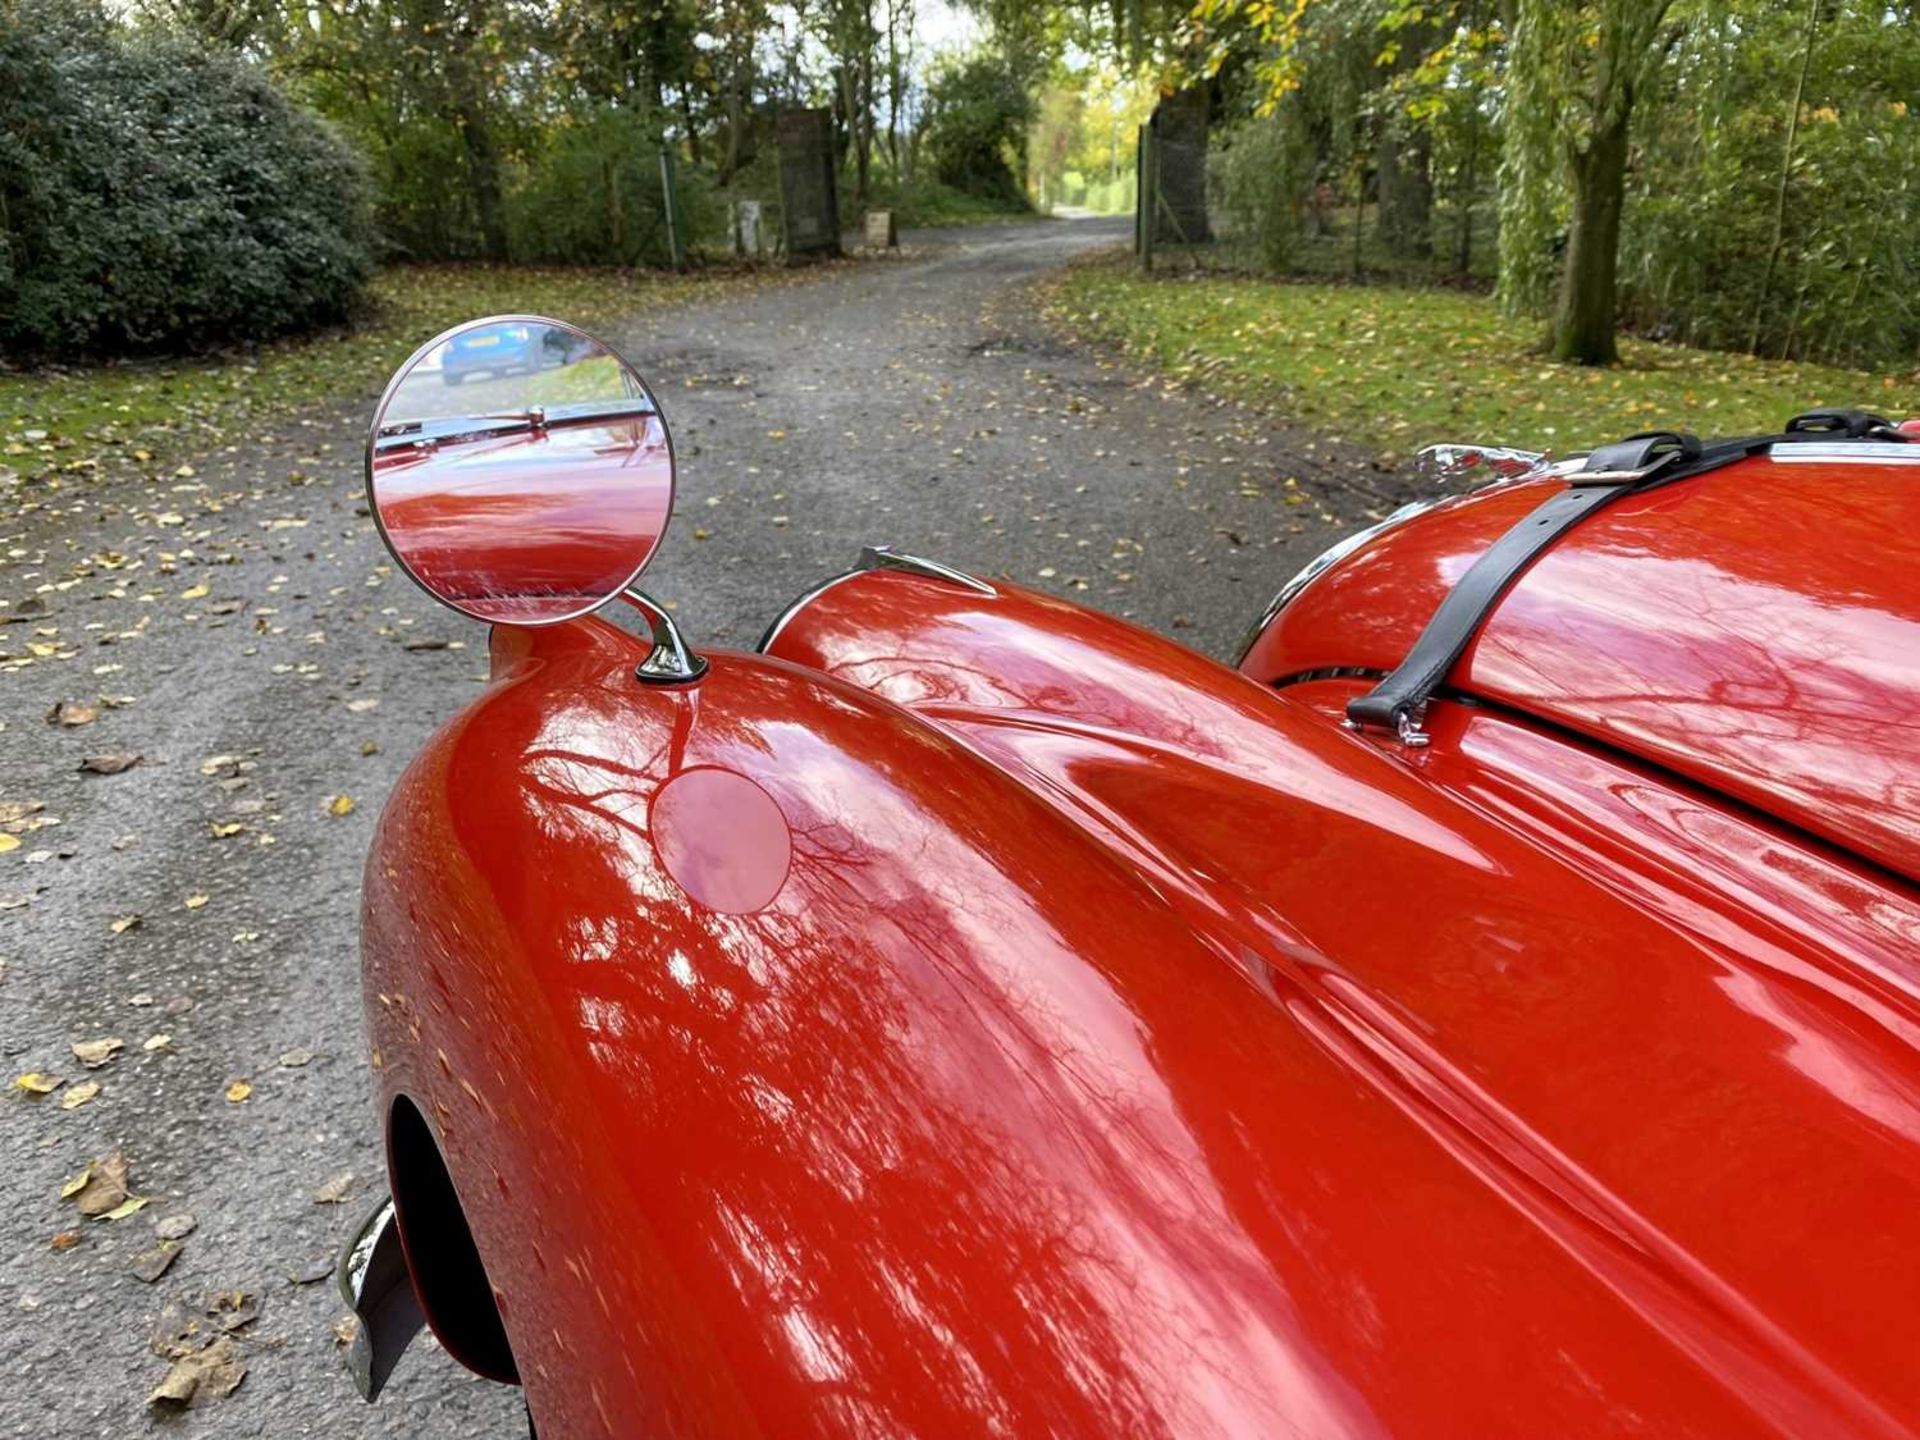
(521, 472)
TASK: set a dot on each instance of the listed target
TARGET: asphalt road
(268, 661)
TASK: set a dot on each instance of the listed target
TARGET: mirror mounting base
(672, 661)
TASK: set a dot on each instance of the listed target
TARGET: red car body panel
(1756, 629)
(984, 1017)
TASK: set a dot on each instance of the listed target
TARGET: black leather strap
(1623, 468)
(1399, 698)
(1843, 424)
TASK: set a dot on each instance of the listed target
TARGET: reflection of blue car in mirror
(502, 350)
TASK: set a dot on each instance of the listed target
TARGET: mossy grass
(1398, 368)
(147, 412)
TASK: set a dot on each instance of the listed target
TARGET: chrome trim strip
(885, 557)
(873, 557)
(796, 605)
(1846, 452)
(1327, 559)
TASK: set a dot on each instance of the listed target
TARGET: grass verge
(1400, 368)
(82, 419)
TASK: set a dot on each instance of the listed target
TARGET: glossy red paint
(531, 527)
(1756, 629)
(1129, 1050)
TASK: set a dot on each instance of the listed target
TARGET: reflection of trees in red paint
(531, 526)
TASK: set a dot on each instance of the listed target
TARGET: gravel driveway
(273, 676)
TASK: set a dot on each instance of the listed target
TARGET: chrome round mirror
(519, 470)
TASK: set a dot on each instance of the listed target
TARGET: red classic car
(1491, 1010)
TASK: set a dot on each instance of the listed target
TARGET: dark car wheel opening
(447, 1270)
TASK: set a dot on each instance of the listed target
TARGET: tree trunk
(489, 200)
(1786, 171)
(1359, 217)
(693, 130)
(863, 127)
(1416, 198)
(1463, 240)
(1583, 320)
(895, 80)
(739, 81)
(1403, 162)
(1387, 182)
(1406, 196)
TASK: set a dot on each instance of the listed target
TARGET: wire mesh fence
(1257, 198)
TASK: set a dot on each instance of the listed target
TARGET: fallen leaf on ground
(195, 592)
(360, 707)
(8, 842)
(238, 1091)
(79, 1095)
(150, 1265)
(338, 805)
(132, 1205)
(37, 1082)
(110, 764)
(124, 924)
(157, 1042)
(321, 1267)
(175, 1227)
(294, 1059)
(202, 1375)
(233, 1309)
(101, 1187)
(194, 902)
(66, 1240)
(72, 714)
(334, 1191)
(95, 1053)
(231, 827)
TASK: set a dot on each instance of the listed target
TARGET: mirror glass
(520, 471)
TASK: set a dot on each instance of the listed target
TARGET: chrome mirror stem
(672, 661)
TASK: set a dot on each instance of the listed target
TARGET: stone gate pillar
(1179, 179)
(809, 198)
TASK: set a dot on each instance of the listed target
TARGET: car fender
(992, 1025)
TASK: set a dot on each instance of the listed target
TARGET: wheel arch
(449, 1275)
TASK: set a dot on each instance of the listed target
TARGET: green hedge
(154, 196)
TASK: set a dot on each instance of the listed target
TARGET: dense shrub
(978, 111)
(154, 195)
(1715, 252)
